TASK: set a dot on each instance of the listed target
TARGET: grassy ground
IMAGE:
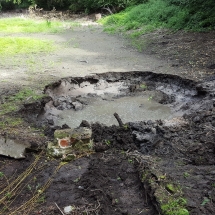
(24, 25)
(26, 49)
(161, 14)
(10, 46)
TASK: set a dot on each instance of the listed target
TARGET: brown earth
(120, 178)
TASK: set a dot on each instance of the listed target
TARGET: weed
(143, 86)
(41, 199)
(29, 187)
(171, 188)
(48, 23)
(8, 195)
(186, 174)
(90, 145)
(37, 187)
(130, 160)
(116, 200)
(205, 201)
(175, 207)
(107, 142)
(150, 98)
(144, 176)
(125, 126)
(1, 174)
(77, 180)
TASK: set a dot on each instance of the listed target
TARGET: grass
(10, 46)
(13, 102)
(156, 14)
(24, 25)
(175, 207)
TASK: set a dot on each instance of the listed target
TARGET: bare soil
(126, 176)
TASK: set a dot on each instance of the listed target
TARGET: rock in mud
(68, 143)
(13, 148)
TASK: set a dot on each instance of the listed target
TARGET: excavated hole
(135, 96)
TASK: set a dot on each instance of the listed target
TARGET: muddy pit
(133, 96)
(158, 161)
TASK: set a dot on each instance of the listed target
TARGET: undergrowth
(162, 14)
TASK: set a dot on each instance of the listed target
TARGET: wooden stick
(59, 209)
(118, 119)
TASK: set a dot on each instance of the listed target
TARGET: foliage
(164, 13)
(75, 5)
(175, 207)
(196, 15)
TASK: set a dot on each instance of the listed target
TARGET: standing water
(130, 109)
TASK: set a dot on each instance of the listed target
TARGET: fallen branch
(108, 9)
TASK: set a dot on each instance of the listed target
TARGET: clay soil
(121, 176)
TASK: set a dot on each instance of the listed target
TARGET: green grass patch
(24, 25)
(12, 103)
(10, 121)
(175, 207)
(23, 45)
(156, 14)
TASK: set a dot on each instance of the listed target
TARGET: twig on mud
(59, 209)
(92, 210)
(98, 190)
(83, 61)
(118, 119)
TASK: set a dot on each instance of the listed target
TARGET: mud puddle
(135, 96)
(130, 109)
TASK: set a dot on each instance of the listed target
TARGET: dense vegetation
(146, 15)
(74, 5)
(189, 15)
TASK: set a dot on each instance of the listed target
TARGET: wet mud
(133, 164)
(148, 95)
